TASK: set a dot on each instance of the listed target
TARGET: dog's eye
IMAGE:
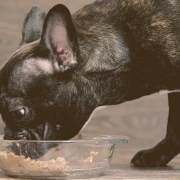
(18, 113)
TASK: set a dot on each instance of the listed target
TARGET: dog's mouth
(24, 133)
(30, 149)
(37, 136)
(32, 134)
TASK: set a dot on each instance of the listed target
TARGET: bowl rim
(95, 138)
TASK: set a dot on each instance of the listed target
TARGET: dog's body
(108, 53)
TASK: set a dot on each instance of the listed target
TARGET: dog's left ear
(60, 38)
(33, 23)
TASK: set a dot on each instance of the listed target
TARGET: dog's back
(147, 29)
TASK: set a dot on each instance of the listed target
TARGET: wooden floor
(143, 120)
(127, 173)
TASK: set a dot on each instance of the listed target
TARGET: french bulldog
(107, 53)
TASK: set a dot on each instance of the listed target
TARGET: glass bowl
(70, 159)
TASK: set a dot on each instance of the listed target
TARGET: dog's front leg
(169, 147)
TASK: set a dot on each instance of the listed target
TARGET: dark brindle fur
(109, 52)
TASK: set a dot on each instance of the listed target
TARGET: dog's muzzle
(30, 149)
(23, 133)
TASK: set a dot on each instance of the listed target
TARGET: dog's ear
(60, 38)
(33, 23)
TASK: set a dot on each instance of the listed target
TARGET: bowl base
(70, 174)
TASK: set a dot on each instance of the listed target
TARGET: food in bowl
(89, 157)
(17, 165)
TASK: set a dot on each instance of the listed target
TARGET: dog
(107, 53)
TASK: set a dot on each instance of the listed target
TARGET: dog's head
(38, 93)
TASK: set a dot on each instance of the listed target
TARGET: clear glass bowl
(71, 159)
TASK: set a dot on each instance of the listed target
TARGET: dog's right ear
(33, 23)
(59, 37)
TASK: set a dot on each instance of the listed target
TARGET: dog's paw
(149, 158)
